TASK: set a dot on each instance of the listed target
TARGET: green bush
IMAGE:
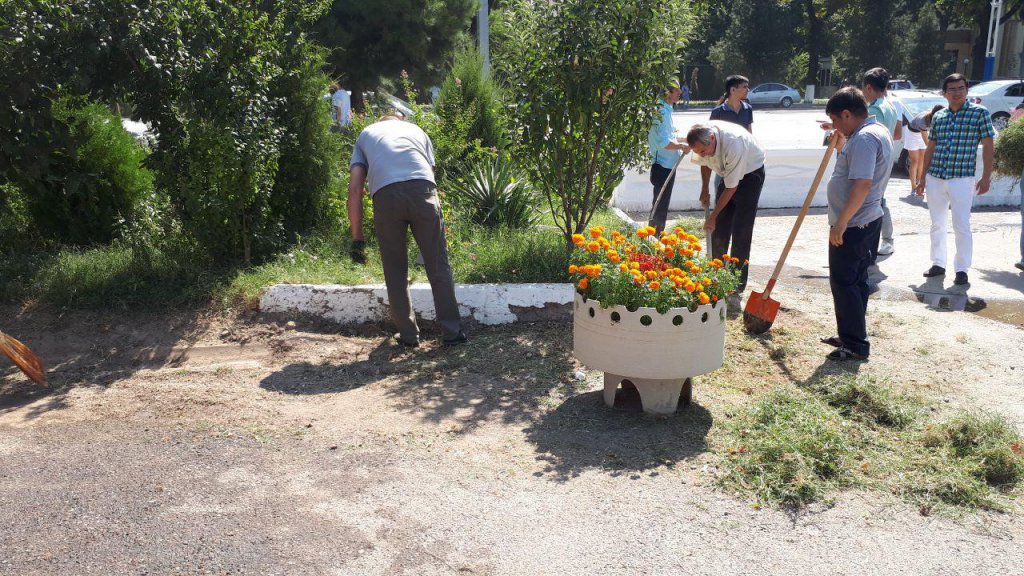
(17, 232)
(496, 195)
(90, 181)
(1009, 157)
(467, 91)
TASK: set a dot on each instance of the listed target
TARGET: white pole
(483, 26)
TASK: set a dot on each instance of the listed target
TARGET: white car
(1000, 97)
(772, 94)
(901, 84)
(910, 103)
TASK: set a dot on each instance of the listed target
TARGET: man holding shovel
(854, 216)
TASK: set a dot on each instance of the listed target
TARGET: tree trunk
(813, 42)
(982, 15)
(358, 103)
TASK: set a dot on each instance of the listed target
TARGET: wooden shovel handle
(803, 212)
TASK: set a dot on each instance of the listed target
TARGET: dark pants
(658, 175)
(397, 208)
(848, 276)
(734, 227)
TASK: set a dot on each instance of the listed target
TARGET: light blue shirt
(663, 133)
(885, 114)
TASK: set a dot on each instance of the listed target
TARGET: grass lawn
(117, 276)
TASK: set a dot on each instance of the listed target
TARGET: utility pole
(992, 48)
(483, 26)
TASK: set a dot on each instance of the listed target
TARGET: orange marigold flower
(596, 231)
(623, 267)
(638, 280)
(679, 230)
(695, 270)
(616, 234)
(655, 285)
(670, 252)
(651, 274)
(578, 239)
(573, 269)
(714, 298)
(706, 281)
(593, 246)
(583, 284)
(690, 286)
(634, 265)
(703, 298)
(641, 233)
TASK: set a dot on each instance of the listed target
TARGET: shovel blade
(759, 313)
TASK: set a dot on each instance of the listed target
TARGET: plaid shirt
(956, 136)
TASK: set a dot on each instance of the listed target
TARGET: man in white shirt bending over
(733, 153)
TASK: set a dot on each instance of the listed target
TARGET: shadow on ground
(585, 434)
(89, 349)
(503, 374)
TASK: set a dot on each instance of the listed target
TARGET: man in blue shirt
(854, 216)
(665, 150)
(951, 164)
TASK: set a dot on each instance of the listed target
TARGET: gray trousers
(397, 208)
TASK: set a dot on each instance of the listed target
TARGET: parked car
(772, 94)
(901, 84)
(910, 103)
(1000, 97)
(384, 102)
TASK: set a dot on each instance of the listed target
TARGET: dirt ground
(187, 443)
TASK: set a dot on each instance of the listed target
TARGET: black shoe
(935, 271)
(460, 339)
(398, 338)
(961, 278)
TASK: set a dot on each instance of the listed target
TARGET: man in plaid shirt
(950, 163)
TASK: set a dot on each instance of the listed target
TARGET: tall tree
(374, 39)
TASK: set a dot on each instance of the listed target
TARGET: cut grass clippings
(800, 445)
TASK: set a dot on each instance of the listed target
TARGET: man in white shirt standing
(398, 159)
(341, 106)
(733, 153)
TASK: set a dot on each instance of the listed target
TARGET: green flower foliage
(584, 78)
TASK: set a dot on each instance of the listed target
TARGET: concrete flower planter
(657, 353)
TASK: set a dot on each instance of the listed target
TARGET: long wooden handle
(665, 185)
(803, 212)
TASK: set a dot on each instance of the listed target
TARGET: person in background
(686, 96)
(341, 107)
(876, 84)
(854, 216)
(950, 164)
(919, 125)
(734, 107)
(665, 150)
(396, 158)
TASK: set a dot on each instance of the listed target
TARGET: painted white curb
(486, 303)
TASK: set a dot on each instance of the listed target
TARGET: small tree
(585, 76)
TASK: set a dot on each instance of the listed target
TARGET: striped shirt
(956, 136)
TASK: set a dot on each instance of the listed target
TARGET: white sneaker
(885, 249)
